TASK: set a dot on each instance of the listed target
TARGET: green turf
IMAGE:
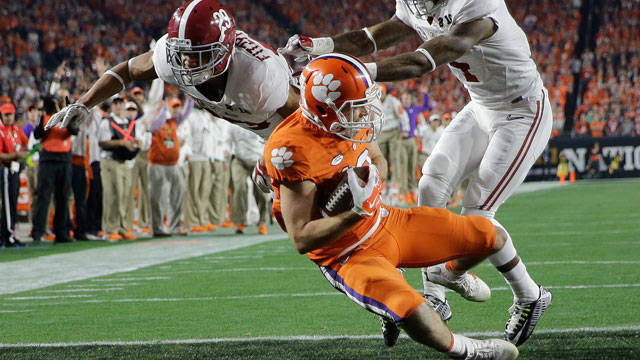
(566, 236)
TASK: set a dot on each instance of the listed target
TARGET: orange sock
(452, 266)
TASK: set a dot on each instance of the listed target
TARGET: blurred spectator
(247, 149)
(164, 153)
(199, 179)
(592, 168)
(597, 127)
(33, 117)
(429, 133)
(220, 173)
(79, 168)
(118, 147)
(94, 199)
(389, 140)
(582, 126)
(54, 177)
(145, 110)
(12, 141)
(626, 128)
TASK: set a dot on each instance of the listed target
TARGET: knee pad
(434, 187)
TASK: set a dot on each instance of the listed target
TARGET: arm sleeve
(159, 121)
(156, 92)
(188, 106)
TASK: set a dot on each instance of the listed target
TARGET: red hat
(175, 102)
(136, 90)
(7, 108)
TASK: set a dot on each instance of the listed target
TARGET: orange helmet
(338, 95)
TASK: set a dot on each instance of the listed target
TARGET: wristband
(118, 77)
(322, 45)
(370, 36)
(373, 69)
(426, 54)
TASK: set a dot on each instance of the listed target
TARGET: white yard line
(594, 330)
(20, 299)
(82, 290)
(50, 270)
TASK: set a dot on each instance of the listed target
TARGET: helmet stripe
(356, 64)
(185, 18)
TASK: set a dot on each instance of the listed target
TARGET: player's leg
(457, 154)
(502, 170)
(371, 281)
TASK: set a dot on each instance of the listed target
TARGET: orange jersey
(298, 150)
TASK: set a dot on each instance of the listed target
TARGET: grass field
(265, 301)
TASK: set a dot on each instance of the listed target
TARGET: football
(335, 195)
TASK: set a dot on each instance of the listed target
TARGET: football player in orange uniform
(359, 249)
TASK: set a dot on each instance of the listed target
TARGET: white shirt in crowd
(221, 144)
(202, 138)
(246, 145)
(428, 135)
(395, 115)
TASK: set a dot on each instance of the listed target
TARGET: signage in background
(616, 156)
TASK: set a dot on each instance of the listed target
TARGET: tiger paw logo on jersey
(281, 158)
(324, 88)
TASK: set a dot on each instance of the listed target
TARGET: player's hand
(302, 47)
(366, 197)
(260, 177)
(71, 114)
(298, 46)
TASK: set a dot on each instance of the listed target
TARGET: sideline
(43, 271)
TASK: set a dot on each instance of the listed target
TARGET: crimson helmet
(422, 9)
(202, 32)
(338, 95)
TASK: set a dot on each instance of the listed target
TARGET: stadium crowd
(54, 50)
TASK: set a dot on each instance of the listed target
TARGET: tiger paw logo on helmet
(324, 88)
(281, 158)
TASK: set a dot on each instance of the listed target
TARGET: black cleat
(390, 331)
(524, 317)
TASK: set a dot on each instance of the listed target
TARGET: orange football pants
(411, 238)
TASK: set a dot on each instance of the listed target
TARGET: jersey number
(224, 22)
(464, 67)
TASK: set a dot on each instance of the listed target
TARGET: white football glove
(302, 47)
(261, 178)
(70, 114)
(366, 198)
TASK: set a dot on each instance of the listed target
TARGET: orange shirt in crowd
(165, 146)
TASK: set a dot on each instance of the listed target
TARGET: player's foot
(524, 317)
(490, 349)
(390, 331)
(442, 308)
(467, 285)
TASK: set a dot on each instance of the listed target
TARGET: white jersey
(257, 85)
(395, 116)
(428, 136)
(497, 70)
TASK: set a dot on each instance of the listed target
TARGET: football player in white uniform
(495, 139)
(224, 70)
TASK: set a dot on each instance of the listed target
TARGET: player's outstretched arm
(298, 204)
(110, 83)
(368, 40)
(435, 52)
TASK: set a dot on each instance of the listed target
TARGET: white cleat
(468, 285)
(490, 349)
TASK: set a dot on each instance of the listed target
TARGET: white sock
(458, 347)
(431, 288)
(522, 285)
(524, 289)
